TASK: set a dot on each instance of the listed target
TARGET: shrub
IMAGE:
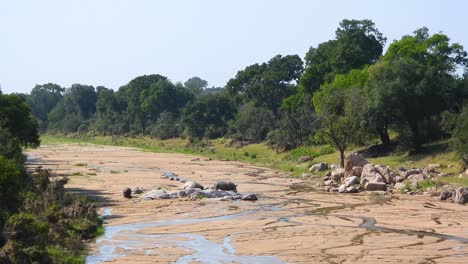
(252, 123)
(460, 137)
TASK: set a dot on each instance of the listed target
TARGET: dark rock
(249, 197)
(127, 193)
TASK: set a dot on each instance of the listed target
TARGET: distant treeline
(346, 91)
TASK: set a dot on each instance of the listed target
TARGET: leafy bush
(295, 128)
(252, 123)
(166, 126)
(460, 137)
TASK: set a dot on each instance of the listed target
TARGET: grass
(77, 173)
(435, 152)
(81, 164)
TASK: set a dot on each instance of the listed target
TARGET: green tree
(42, 99)
(196, 85)
(77, 106)
(16, 118)
(413, 82)
(252, 123)
(460, 137)
(267, 84)
(357, 43)
(134, 92)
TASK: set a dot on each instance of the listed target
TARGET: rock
(328, 173)
(138, 190)
(461, 195)
(354, 159)
(304, 159)
(399, 186)
(431, 168)
(155, 194)
(127, 193)
(416, 178)
(350, 181)
(328, 183)
(444, 195)
(181, 194)
(326, 178)
(407, 173)
(371, 174)
(334, 166)
(192, 185)
(319, 167)
(376, 186)
(463, 174)
(356, 171)
(225, 186)
(337, 174)
(352, 189)
(305, 175)
(249, 197)
(386, 173)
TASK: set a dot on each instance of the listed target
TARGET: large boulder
(407, 173)
(461, 195)
(335, 166)
(356, 171)
(155, 194)
(354, 159)
(444, 195)
(249, 197)
(416, 178)
(463, 174)
(371, 174)
(319, 167)
(191, 185)
(138, 190)
(399, 186)
(386, 172)
(337, 175)
(350, 181)
(375, 186)
(304, 159)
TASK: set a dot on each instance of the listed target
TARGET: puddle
(120, 238)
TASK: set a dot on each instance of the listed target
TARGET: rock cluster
(221, 190)
(360, 175)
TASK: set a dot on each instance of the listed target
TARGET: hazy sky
(109, 42)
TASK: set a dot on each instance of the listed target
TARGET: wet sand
(292, 222)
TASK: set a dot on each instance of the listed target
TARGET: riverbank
(292, 222)
(260, 154)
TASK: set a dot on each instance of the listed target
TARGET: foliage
(208, 116)
(460, 137)
(267, 84)
(413, 82)
(294, 129)
(16, 118)
(252, 123)
(357, 43)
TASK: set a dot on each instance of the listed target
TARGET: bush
(165, 127)
(252, 123)
(460, 137)
(295, 128)
(10, 186)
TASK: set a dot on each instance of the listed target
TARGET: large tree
(357, 43)
(413, 81)
(267, 84)
(42, 99)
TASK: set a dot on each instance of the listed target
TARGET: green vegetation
(39, 221)
(81, 164)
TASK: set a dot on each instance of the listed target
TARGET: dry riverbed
(291, 222)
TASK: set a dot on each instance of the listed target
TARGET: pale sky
(109, 42)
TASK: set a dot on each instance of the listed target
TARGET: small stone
(249, 197)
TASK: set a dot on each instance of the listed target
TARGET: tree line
(346, 91)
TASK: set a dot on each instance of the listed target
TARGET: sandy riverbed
(291, 222)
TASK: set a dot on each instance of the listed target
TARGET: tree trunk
(384, 137)
(342, 158)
